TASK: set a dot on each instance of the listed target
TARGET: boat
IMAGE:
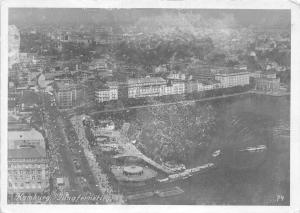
(258, 148)
(216, 153)
(163, 180)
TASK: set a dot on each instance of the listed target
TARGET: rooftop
(64, 85)
(269, 72)
(146, 80)
(36, 152)
(25, 135)
(29, 98)
(232, 72)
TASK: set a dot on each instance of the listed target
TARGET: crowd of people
(104, 186)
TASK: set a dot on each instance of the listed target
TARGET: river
(241, 178)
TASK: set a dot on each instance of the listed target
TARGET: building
(15, 123)
(67, 94)
(98, 64)
(267, 84)
(263, 74)
(232, 79)
(20, 138)
(146, 87)
(107, 92)
(255, 74)
(268, 74)
(208, 85)
(177, 76)
(174, 87)
(13, 45)
(27, 170)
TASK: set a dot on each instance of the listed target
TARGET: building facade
(67, 94)
(27, 170)
(146, 87)
(108, 92)
(267, 84)
(233, 79)
(174, 87)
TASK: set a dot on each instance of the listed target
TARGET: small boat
(259, 148)
(216, 153)
(163, 180)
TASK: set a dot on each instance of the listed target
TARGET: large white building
(13, 45)
(233, 79)
(67, 93)
(175, 87)
(146, 87)
(107, 93)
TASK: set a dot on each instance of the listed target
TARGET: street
(63, 151)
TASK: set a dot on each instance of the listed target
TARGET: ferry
(258, 148)
(165, 180)
(216, 153)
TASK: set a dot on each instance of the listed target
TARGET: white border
(205, 4)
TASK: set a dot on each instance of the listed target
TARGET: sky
(244, 18)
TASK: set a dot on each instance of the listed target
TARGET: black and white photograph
(148, 106)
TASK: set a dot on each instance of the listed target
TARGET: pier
(134, 152)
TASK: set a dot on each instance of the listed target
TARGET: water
(241, 178)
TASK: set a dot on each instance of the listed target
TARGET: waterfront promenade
(172, 103)
(92, 112)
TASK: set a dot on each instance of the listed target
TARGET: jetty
(187, 173)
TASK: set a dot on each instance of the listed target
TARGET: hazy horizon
(61, 16)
